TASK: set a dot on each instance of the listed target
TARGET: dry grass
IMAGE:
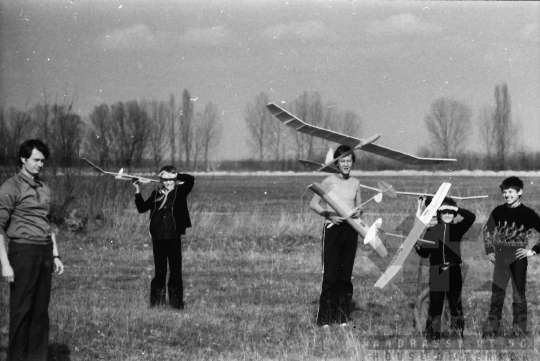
(252, 274)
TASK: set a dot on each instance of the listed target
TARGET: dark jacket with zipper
(447, 238)
(175, 208)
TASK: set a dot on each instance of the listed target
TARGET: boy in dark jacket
(506, 236)
(169, 218)
(445, 271)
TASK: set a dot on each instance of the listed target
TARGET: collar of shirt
(34, 182)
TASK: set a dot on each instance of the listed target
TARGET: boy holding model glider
(339, 243)
(169, 218)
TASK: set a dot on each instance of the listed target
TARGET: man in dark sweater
(506, 236)
(444, 254)
(169, 218)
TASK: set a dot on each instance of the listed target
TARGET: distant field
(252, 272)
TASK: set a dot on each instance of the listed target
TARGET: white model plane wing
(121, 174)
(300, 126)
(385, 187)
(420, 225)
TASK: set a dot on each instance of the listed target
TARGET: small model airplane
(343, 211)
(390, 191)
(355, 143)
(121, 174)
(420, 225)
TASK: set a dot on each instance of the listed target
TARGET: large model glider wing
(300, 126)
(343, 211)
(420, 225)
(121, 174)
(385, 187)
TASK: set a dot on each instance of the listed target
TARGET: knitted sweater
(510, 228)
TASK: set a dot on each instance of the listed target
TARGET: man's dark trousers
(167, 250)
(508, 267)
(29, 298)
(339, 251)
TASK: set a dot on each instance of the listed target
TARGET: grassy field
(252, 272)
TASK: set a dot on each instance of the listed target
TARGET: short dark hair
(168, 169)
(512, 182)
(25, 151)
(343, 149)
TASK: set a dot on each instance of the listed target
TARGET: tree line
(132, 133)
(148, 133)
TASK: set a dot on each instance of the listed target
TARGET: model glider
(420, 225)
(343, 211)
(389, 189)
(121, 174)
(355, 143)
(375, 229)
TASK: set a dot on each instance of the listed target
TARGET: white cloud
(208, 36)
(304, 30)
(531, 32)
(402, 24)
(135, 37)
(140, 37)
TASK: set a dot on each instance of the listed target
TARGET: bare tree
(257, 119)
(505, 131)
(309, 108)
(158, 114)
(448, 124)
(350, 123)
(277, 139)
(186, 120)
(100, 137)
(330, 121)
(173, 133)
(66, 135)
(211, 128)
(138, 126)
(130, 131)
(15, 126)
(487, 132)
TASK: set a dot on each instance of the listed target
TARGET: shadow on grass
(58, 352)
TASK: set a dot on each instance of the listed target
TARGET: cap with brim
(445, 206)
(167, 176)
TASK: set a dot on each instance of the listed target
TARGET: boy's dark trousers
(508, 267)
(29, 298)
(445, 284)
(339, 251)
(167, 250)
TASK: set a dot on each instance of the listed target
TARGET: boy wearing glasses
(169, 218)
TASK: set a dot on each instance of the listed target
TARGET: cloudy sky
(387, 61)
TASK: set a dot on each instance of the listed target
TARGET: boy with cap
(445, 271)
(169, 218)
(506, 236)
